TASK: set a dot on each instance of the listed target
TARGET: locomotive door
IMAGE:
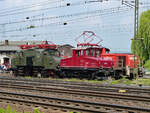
(29, 61)
(29, 67)
(121, 61)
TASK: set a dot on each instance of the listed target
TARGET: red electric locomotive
(86, 61)
(93, 61)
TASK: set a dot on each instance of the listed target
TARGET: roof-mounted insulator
(65, 23)
(68, 4)
(27, 17)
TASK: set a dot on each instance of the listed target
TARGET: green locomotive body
(36, 62)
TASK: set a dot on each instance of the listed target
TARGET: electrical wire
(14, 9)
(101, 12)
(42, 9)
(107, 26)
(70, 21)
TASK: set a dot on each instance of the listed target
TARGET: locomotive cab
(92, 50)
(88, 51)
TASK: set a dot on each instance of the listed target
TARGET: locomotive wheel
(68, 74)
(117, 75)
(45, 74)
(54, 74)
(91, 76)
(49, 73)
(100, 78)
(62, 75)
(80, 77)
(132, 76)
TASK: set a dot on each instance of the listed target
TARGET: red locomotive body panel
(122, 59)
(86, 62)
(87, 57)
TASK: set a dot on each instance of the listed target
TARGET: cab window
(87, 53)
(81, 54)
(57, 53)
(97, 53)
(78, 53)
(92, 52)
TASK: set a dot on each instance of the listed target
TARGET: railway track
(104, 100)
(105, 97)
(67, 105)
(76, 85)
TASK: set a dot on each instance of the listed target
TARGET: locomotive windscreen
(29, 61)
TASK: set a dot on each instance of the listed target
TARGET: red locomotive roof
(44, 45)
(87, 44)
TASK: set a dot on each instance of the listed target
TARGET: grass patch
(139, 81)
(143, 81)
(147, 65)
(28, 77)
(10, 110)
(124, 81)
(83, 80)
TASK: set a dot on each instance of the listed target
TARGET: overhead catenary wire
(47, 18)
(48, 8)
(48, 25)
(104, 11)
(23, 7)
(79, 3)
(54, 17)
(12, 9)
(119, 9)
(107, 26)
(62, 16)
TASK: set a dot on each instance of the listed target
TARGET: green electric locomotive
(36, 62)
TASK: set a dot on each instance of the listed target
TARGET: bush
(147, 65)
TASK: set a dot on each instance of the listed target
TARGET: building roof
(65, 45)
(9, 48)
(16, 43)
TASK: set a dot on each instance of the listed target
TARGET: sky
(112, 21)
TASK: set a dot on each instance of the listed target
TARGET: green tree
(141, 46)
